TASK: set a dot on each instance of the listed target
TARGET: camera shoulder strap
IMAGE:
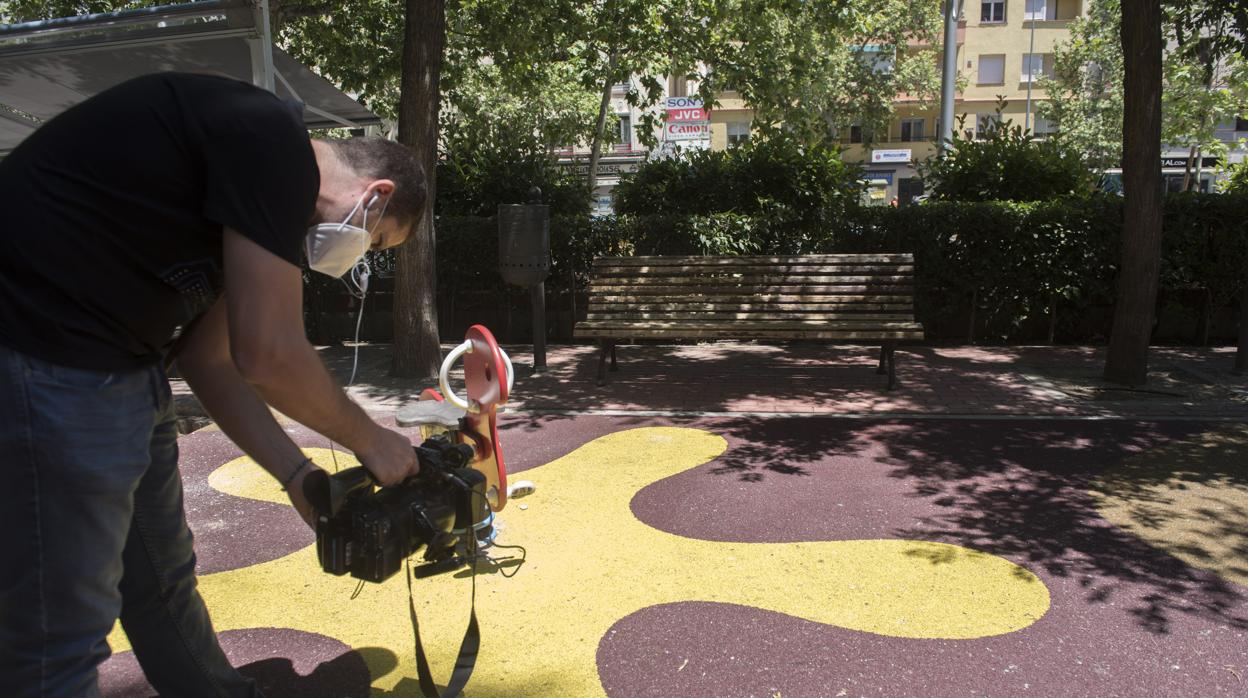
(468, 649)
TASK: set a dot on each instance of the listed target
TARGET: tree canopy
(1205, 70)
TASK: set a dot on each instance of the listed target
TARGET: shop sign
(890, 155)
(1205, 163)
(604, 168)
(879, 177)
(683, 103)
(687, 130)
(690, 114)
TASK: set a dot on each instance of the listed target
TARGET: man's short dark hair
(378, 158)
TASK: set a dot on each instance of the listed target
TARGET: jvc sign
(685, 109)
(695, 114)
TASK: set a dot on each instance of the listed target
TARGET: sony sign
(684, 103)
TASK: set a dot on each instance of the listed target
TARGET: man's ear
(381, 187)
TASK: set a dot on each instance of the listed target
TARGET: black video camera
(368, 532)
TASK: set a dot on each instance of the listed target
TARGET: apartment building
(1004, 47)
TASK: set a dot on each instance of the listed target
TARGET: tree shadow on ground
(1024, 491)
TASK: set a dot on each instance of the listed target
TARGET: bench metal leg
(614, 366)
(892, 366)
(604, 345)
(883, 367)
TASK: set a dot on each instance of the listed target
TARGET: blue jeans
(93, 530)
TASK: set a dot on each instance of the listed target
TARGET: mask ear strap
(381, 214)
(347, 221)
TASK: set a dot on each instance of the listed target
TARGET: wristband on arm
(291, 478)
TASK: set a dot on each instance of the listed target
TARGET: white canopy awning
(48, 66)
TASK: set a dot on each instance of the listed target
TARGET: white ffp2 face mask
(334, 248)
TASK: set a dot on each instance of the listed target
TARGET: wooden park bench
(837, 298)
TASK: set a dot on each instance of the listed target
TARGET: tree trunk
(1052, 317)
(1127, 359)
(416, 350)
(970, 325)
(1187, 169)
(595, 148)
(1200, 156)
(1241, 353)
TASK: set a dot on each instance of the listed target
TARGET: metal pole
(1031, 52)
(262, 48)
(948, 79)
(538, 301)
(1241, 353)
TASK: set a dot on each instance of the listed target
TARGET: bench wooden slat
(766, 324)
(872, 336)
(712, 261)
(768, 298)
(800, 271)
(790, 289)
(731, 279)
(751, 315)
(747, 304)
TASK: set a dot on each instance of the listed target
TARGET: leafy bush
(1008, 164)
(474, 181)
(1012, 263)
(775, 179)
(1238, 183)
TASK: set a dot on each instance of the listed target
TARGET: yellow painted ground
(591, 563)
(1188, 498)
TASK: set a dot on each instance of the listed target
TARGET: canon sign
(688, 130)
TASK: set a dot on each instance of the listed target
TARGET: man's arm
(205, 362)
(269, 349)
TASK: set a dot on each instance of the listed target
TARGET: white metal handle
(444, 374)
(511, 372)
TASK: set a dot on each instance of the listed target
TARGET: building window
(986, 125)
(911, 130)
(855, 134)
(876, 58)
(1036, 11)
(991, 70)
(677, 86)
(626, 132)
(1042, 127)
(1036, 66)
(738, 132)
(622, 86)
(991, 11)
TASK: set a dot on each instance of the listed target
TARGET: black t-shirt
(111, 214)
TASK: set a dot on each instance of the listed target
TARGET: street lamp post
(948, 79)
(1031, 69)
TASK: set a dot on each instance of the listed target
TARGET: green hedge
(1016, 261)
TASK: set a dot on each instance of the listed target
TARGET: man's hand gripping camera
(448, 508)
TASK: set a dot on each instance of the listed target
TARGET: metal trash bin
(524, 259)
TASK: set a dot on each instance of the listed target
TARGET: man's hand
(301, 504)
(389, 457)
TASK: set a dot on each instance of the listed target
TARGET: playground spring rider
(448, 508)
